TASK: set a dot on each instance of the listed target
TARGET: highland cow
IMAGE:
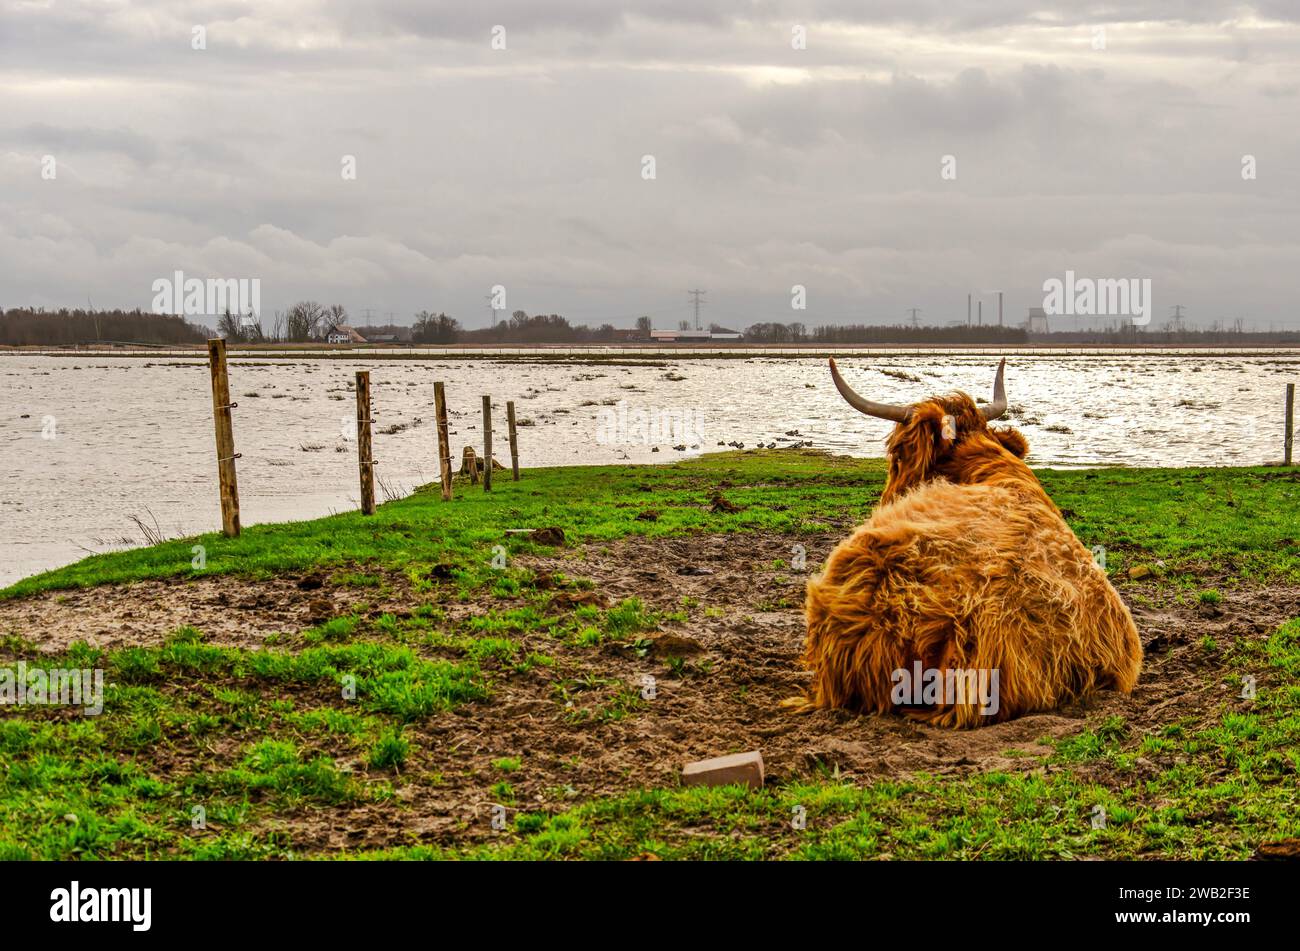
(966, 566)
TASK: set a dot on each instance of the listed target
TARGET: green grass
(334, 719)
(1229, 520)
(390, 751)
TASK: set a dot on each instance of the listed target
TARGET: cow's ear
(915, 446)
(1012, 441)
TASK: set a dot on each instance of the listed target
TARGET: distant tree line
(519, 327)
(28, 327)
(1170, 335)
(308, 321)
(430, 329)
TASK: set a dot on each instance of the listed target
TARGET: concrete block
(743, 768)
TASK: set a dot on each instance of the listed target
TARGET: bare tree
(303, 321)
(251, 324)
(228, 327)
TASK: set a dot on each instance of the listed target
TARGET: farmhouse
(342, 333)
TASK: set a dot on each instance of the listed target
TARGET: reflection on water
(91, 441)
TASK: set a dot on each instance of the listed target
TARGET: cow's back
(972, 577)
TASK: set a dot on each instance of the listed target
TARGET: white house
(342, 333)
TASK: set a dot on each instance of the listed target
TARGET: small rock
(694, 571)
(1138, 572)
(310, 582)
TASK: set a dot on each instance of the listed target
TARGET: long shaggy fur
(965, 564)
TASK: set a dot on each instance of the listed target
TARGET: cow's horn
(995, 409)
(880, 410)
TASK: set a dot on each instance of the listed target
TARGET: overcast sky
(774, 166)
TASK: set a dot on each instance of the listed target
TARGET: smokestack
(967, 310)
(999, 308)
(980, 311)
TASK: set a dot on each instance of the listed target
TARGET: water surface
(90, 441)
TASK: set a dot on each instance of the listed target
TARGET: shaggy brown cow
(965, 566)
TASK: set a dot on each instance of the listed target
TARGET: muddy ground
(739, 654)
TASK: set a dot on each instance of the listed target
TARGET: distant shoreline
(614, 352)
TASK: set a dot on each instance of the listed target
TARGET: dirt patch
(231, 611)
(580, 727)
(748, 625)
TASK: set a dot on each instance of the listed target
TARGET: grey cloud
(775, 166)
(55, 139)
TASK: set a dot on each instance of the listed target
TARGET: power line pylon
(696, 296)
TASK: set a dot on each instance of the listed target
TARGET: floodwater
(91, 441)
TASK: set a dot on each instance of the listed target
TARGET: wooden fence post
(444, 447)
(365, 454)
(226, 455)
(487, 444)
(1289, 438)
(514, 440)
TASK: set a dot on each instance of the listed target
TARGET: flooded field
(91, 443)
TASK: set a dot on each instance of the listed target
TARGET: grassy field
(465, 691)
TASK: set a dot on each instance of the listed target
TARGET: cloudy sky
(1115, 154)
